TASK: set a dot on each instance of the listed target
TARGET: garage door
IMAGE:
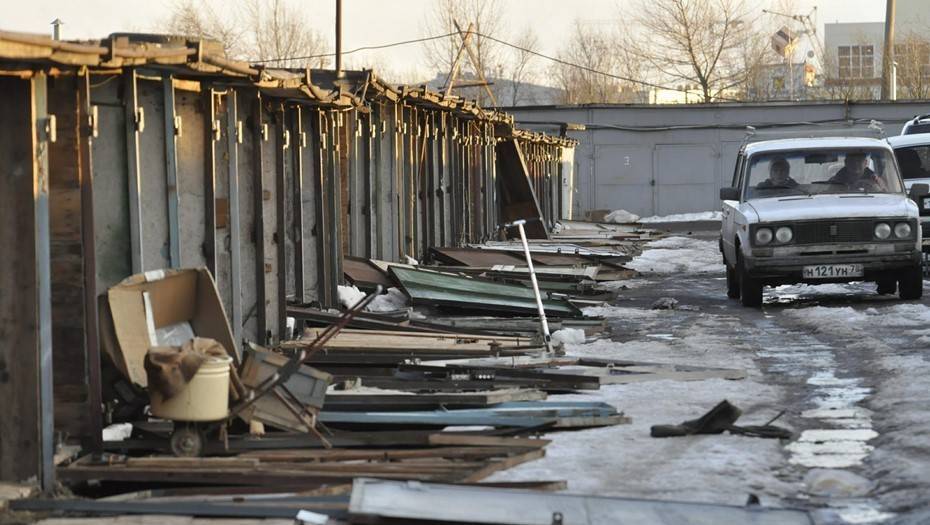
(623, 178)
(686, 178)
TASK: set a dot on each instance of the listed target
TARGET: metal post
(135, 123)
(172, 130)
(547, 339)
(338, 38)
(894, 81)
(233, 138)
(44, 127)
(888, 54)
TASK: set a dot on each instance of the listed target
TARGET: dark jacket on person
(843, 176)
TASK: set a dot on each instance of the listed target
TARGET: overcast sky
(373, 22)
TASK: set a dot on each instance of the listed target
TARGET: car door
(730, 210)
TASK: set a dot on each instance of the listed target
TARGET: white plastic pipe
(547, 339)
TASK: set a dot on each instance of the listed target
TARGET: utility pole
(888, 52)
(338, 38)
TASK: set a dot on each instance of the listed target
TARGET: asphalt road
(854, 380)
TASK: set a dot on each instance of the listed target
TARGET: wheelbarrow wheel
(187, 441)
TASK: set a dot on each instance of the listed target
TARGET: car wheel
(911, 284)
(732, 283)
(750, 290)
(887, 285)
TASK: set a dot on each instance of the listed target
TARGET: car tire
(887, 285)
(911, 284)
(750, 290)
(732, 283)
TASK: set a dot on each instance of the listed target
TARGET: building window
(856, 61)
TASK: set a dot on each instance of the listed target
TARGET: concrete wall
(660, 160)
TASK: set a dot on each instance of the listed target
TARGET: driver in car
(778, 176)
(856, 173)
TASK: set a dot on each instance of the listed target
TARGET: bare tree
(912, 53)
(518, 70)
(695, 41)
(279, 32)
(261, 30)
(753, 75)
(199, 20)
(588, 55)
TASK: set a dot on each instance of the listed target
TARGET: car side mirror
(918, 190)
(732, 194)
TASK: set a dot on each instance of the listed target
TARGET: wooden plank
(504, 464)
(68, 287)
(450, 438)
(336, 455)
(190, 463)
(389, 341)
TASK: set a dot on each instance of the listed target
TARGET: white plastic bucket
(205, 398)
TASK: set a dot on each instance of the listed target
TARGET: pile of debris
(436, 374)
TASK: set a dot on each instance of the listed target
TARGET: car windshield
(913, 161)
(810, 172)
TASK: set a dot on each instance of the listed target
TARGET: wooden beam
(456, 63)
(474, 61)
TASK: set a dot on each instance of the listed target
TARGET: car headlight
(882, 230)
(784, 235)
(763, 236)
(902, 230)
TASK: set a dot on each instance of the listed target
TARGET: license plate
(832, 271)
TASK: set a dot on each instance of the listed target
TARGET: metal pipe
(338, 38)
(547, 339)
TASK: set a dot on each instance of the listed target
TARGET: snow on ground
(392, 300)
(569, 335)
(678, 255)
(625, 461)
(621, 217)
(684, 217)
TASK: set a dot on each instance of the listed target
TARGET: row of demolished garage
(251, 292)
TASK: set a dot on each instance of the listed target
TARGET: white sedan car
(819, 210)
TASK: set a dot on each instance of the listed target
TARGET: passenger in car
(856, 172)
(778, 176)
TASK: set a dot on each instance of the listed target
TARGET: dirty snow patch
(675, 255)
(393, 300)
(684, 217)
(349, 296)
(569, 335)
(621, 217)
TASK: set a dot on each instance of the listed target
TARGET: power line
(592, 70)
(364, 48)
(502, 42)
